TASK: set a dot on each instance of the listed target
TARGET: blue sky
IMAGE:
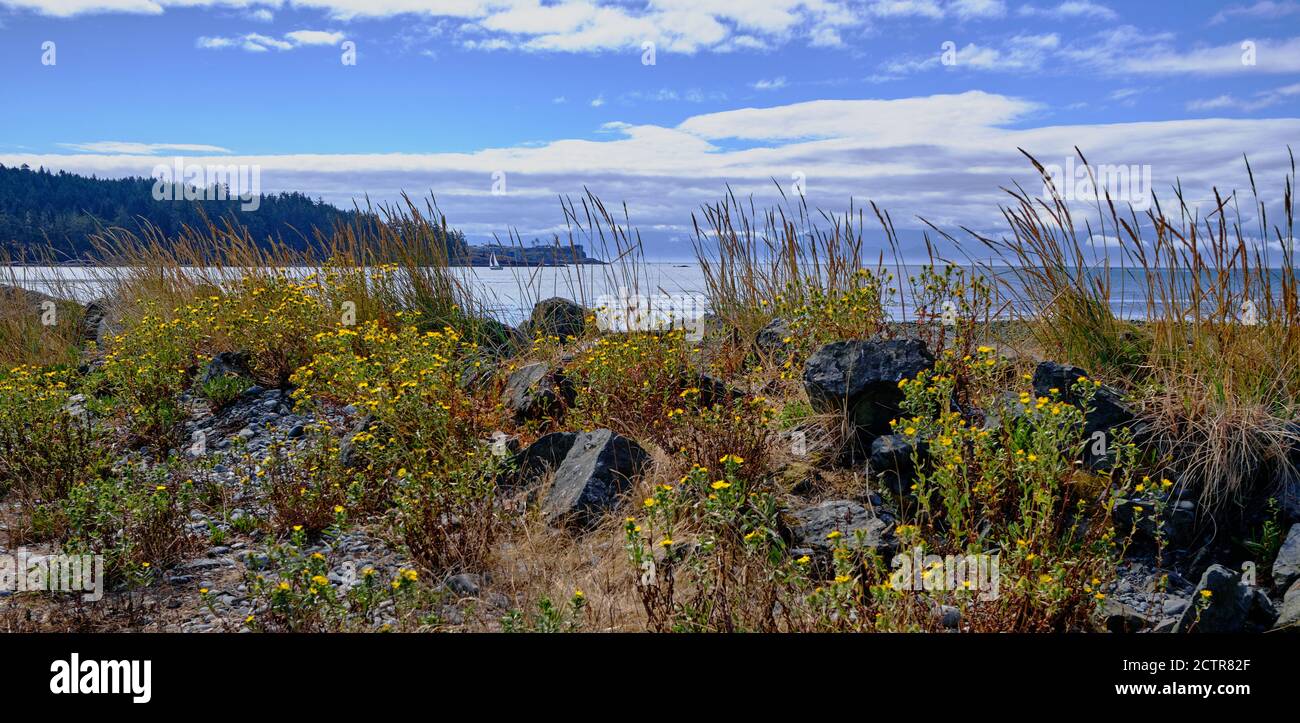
(855, 100)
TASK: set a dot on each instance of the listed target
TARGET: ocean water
(510, 293)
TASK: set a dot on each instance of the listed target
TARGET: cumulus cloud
(943, 157)
(1261, 99)
(1020, 53)
(1124, 51)
(686, 26)
(314, 37)
(1071, 9)
(129, 148)
(979, 9)
(259, 43)
(1264, 9)
(1244, 56)
(765, 84)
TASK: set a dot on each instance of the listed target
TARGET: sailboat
(493, 263)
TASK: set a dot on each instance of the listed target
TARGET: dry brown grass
(1216, 355)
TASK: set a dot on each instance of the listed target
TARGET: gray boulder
(1107, 409)
(1289, 619)
(1286, 566)
(593, 478)
(860, 379)
(1177, 524)
(349, 455)
(1231, 607)
(1288, 498)
(1120, 617)
(94, 324)
(557, 317)
(712, 389)
(771, 338)
(891, 461)
(536, 390)
(548, 452)
(810, 529)
(226, 364)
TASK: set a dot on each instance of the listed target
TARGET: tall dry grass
(750, 256)
(1215, 353)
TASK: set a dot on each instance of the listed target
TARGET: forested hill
(39, 208)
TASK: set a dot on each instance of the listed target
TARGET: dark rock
(226, 364)
(949, 616)
(1108, 408)
(1166, 625)
(557, 317)
(593, 478)
(1231, 607)
(891, 461)
(860, 379)
(1119, 617)
(1004, 406)
(1174, 606)
(349, 455)
(810, 529)
(548, 452)
(1177, 524)
(93, 326)
(465, 584)
(1286, 566)
(712, 389)
(478, 370)
(296, 431)
(771, 339)
(1289, 617)
(535, 390)
(1288, 499)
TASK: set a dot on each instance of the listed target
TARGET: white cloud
(129, 148)
(598, 101)
(314, 37)
(1122, 51)
(1262, 99)
(1219, 101)
(1071, 9)
(906, 8)
(1270, 56)
(965, 9)
(1265, 9)
(264, 42)
(944, 157)
(70, 8)
(214, 43)
(826, 37)
(1020, 53)
(765, 84)
(685, 26)
(259, 43)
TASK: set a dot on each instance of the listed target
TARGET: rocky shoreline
(1185, 570)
